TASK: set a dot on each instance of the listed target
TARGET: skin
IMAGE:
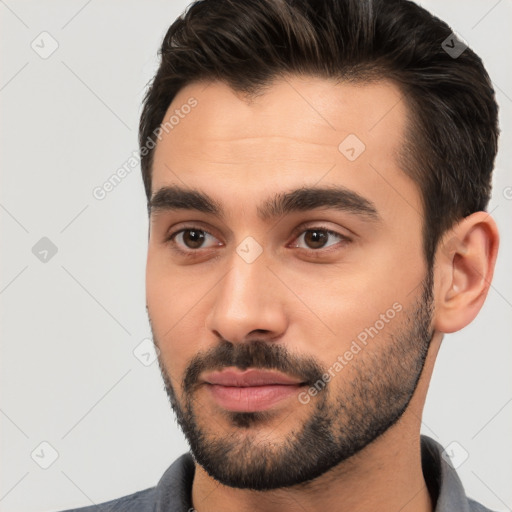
(241, 153)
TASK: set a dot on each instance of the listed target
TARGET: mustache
(255, 354)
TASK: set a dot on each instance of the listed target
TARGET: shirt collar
(444, 485)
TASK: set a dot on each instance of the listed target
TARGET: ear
(464, 266)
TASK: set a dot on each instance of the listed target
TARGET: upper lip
(249, 378)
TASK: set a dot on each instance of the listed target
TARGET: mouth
(250, 391)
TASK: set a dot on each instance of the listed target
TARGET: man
(317, 174)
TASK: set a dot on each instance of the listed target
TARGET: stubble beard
(342, 421)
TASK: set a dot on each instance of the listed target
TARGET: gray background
(70, 324)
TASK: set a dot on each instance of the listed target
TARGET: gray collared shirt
(173, 491)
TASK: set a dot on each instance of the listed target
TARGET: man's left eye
(316, 238)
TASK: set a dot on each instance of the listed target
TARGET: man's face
(292, 326)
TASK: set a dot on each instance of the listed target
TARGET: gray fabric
(173, 491)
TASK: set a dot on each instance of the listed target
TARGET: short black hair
(452, 133)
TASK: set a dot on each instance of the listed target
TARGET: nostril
(259, 332)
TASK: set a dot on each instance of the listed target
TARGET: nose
(247, 304)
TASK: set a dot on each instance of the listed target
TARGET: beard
(342, 420)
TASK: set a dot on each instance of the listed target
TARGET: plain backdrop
(77, 391)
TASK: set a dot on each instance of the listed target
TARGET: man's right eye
(190, 239)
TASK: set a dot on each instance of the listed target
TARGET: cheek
(348, 303)
(169, 306)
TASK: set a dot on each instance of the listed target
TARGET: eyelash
(191, 253)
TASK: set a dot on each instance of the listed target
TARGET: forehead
(300, 109)
(298, 131)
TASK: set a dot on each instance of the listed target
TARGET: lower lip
(251, 398)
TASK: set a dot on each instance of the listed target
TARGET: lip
(247, 378)
(251, 390)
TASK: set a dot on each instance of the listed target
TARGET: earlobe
(465, 261)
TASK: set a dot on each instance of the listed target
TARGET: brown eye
(319, 238)
(193, 238)
(315, 239)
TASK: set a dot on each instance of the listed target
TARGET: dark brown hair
(453, 131)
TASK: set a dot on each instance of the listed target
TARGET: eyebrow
(174, 198)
